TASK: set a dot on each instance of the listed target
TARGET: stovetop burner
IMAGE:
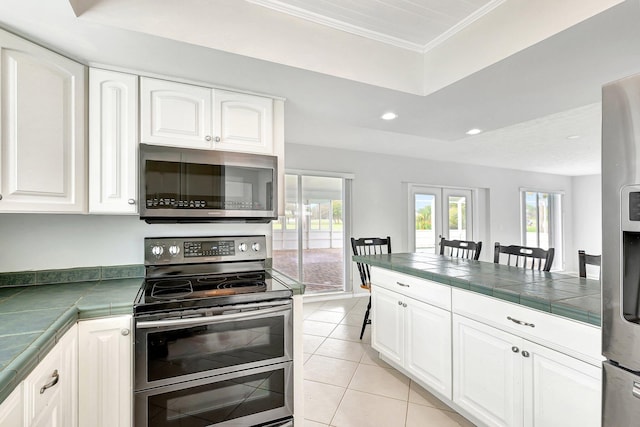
(202, 287)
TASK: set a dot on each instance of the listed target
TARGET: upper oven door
(206, 185)
(182, 349)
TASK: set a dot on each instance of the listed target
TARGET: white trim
(541, 190)
(279, 6)
(344, 175)
(484, 10)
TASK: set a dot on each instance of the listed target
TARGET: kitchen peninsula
(504, 346)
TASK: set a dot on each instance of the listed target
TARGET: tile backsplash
(71, 275)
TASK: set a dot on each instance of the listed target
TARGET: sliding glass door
(309, 240)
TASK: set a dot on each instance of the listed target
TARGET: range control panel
(181, 250)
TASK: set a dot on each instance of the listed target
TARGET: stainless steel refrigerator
(621, 252)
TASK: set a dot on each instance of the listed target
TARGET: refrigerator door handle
(636, 390)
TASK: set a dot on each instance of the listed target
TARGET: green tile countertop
(37, 308)
(568, 296)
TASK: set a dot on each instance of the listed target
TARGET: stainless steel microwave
(188, 185)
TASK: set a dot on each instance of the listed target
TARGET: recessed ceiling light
(474, 131)
(389, 116)
(573, 137)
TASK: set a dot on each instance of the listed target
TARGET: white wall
(45, 241)
(587, 221)
(380, 199)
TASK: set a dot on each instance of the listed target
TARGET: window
(309, 239)
(542, 222)
(438, 211)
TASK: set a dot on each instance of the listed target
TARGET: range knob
(174, 250)
(255, 246)
(157, 250)
(242, 247)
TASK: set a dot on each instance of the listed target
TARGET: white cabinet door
(387, 326)
(428, 345)
(487, 372)
(42, 148)
(50, 390)
(105, 368)
(560, 390)
(243, 122)
(113, 142)
(12, 409)
(176, 114)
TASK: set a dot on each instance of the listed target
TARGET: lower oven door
(175, 350)
(245, 398)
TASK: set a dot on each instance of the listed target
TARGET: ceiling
(408, 24)
(528, 103)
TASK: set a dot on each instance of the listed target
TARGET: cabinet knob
(0, 196)
(207, 138)
(125, 332)
(515, 349)
(217, 139)
(404, 304)
(525, 354)
(399, 302)
(132, 201)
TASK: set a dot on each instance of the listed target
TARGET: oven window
(218, 402)
(176, 352)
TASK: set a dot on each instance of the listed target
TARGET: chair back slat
(460, 248)
(525, 257)
(369, 246)
(585, 259)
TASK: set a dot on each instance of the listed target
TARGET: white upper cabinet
(183, 115)
(243, 122)
(113, 142)
(42, 130)
(176, 114)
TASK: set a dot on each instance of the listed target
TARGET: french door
(436, 212)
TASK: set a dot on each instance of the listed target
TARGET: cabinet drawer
(42, 376)
(421, 289)
(567, 336)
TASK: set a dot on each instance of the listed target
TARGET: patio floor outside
(323, 269)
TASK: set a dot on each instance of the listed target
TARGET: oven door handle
(211, 319)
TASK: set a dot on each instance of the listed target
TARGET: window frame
(556, 222)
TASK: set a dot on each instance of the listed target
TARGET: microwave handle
(209, 319)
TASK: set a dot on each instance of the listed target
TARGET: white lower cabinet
(504, 380)
(50, 390)
(105, 367)
(12, 409)
(414, 335)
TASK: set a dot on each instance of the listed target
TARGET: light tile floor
(346, 383)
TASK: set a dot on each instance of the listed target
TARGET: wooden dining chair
(368, 246)
(584, 259)
(523, 255)
(460, 248)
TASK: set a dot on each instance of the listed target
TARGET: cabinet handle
(53, 382)
(515, 349)
(520, 322)
(402, 284)
(207, 138)
(125, 332)
(525, 354)
(131, 201)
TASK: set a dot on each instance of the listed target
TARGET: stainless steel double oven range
(213, 343)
